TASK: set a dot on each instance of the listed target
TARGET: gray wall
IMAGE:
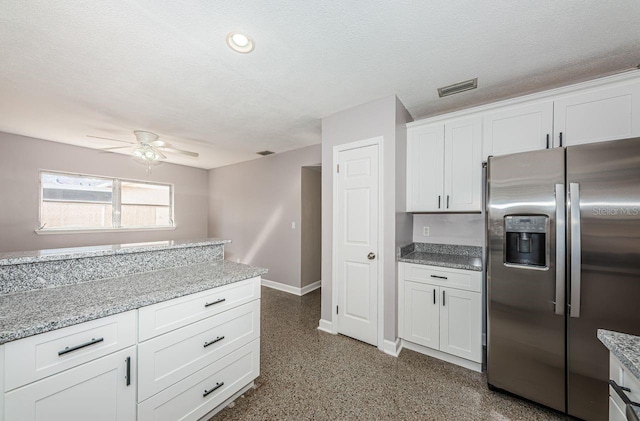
(311, 225)
(21, 158)
(377, 118)
(253, 203)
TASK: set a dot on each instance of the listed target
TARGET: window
(82, 202)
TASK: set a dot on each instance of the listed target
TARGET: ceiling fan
(148, 148)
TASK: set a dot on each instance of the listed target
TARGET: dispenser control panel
(532, 224)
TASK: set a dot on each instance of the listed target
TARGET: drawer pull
(439, 277)
(218, 339)
(620, 391)
(221, 300)
(213, 389)
(128, 375)
(77, 347)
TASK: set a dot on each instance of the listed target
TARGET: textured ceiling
(71, 68)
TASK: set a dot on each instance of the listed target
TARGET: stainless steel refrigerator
(563, 261)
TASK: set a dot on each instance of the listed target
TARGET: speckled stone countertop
(625, 347)
(30, 313)
(21, 257)
(443, 255)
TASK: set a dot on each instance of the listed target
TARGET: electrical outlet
(293, 225)
(425, 231)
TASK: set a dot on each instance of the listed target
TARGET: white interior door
(356, 231)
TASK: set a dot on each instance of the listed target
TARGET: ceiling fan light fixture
(240, 43)
(146, 154)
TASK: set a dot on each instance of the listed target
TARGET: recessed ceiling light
(240, 42)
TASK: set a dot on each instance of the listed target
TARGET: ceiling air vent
(458, 87)
(265, 153)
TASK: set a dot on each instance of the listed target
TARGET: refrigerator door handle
(560, 249)
(576, 258)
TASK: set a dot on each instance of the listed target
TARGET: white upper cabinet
(463, 165)
(444, 166)
(425, 168)
(518, 129)
(598, 115)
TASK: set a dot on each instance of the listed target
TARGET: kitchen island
(173, 318)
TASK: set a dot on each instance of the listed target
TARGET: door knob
(371, 256)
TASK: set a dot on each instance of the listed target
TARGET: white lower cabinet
(99, 390)
(192, 354)
(629, 389)
(438, 320)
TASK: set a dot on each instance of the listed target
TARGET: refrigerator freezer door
(526, 330)
(608, 176)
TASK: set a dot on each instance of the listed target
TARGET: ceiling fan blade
(115, 147)
(180, 151)
(115, 140)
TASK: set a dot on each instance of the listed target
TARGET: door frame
(379, 142)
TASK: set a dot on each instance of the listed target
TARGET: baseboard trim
(291, 289)
(311, 287)
(326, 326)
(392, 348)
(471, 365)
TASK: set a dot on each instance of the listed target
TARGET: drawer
(39, 356)
(189, 400)
(624, 377)
(454, 278)
(169, 315)
(169, 358)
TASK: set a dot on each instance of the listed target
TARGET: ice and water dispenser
(525, 238)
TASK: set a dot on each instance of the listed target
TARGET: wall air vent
(458, 87)
(265, 153)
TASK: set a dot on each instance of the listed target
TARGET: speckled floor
(311, 375)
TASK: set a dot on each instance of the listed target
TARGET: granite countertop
(21, 257)
(625, 347)
(443, 255)
(30, 313)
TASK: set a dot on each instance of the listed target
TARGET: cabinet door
(461, 323)
(421, 323)
(425, 165)
(598, 115)
(95, 391)
(463, 165)
(517, 129)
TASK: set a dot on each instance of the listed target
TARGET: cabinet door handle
(128, 375)
(218, 339)
(443, 296)
(221, 300)
(447, 201)
(213, 389)
(77, 347)
(547, 140)
(560, 139)
(439, 277)
(434, 296)
(438, 202)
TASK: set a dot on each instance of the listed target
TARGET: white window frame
(116, 202)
